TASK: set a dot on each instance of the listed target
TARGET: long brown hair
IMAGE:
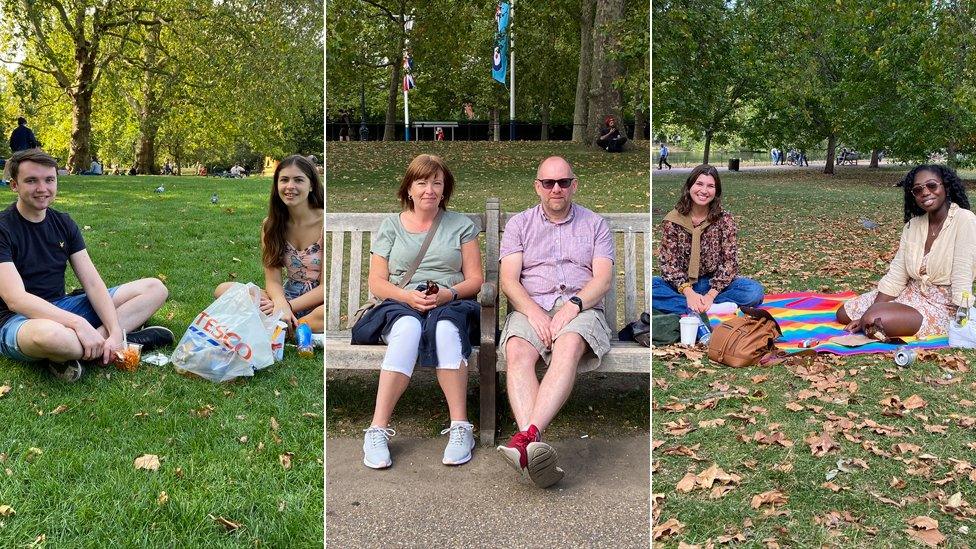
(276, 225)
(715, 206)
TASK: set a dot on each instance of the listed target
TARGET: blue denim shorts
(294, 289)
(77, 304)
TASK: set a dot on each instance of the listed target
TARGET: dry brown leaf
(61, 408)
(924, 523)
(668, 528)
(771, 497)
(4, 389)
(897, 483)
(832, 487)
(794, 406)
(228, 524)
(822, 444)
(914, 402)
(708, 423)
(34, 453)
(7, 511)
(687, 483)
(149, 462)
(163, 498)
(285, 460)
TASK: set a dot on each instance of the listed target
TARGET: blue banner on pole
(499, 59)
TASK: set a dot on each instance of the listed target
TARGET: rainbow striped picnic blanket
(810, 315)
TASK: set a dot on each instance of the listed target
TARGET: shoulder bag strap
(423, 250)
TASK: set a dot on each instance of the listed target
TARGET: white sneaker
(458, 450)
(376, 449)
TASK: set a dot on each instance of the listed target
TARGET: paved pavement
(603, 501)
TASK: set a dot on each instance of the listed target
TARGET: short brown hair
(422, 167)
(36, 156)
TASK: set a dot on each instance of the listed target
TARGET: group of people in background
(794, 156)
(929, 278)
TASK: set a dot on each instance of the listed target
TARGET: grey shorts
(590, 325)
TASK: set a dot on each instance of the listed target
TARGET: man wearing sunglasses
(556, 266)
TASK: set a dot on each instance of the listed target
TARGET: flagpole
(511, 88)
(406, 114)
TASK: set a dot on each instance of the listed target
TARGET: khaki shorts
(589, 324)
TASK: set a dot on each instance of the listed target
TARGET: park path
(604, 500)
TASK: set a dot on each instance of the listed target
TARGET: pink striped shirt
(557, 258)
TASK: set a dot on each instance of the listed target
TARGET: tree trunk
(583, 74)
(495, 126)
(148, 114)
(396, 88)
(640, 125)
(951, 154)
(708, 146)
(79, 157)
(831, 145)
(874, 158)
(604, 98)
(545, 122)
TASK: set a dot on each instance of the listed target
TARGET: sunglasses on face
(548, 184)
(917, 190)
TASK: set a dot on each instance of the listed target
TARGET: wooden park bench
(630, 294)
(443, 125)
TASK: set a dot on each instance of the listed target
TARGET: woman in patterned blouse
(698, 255)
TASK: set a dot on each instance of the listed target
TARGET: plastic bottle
(704, 329)
(303, 340)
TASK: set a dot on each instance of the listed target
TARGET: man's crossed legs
(35, 339)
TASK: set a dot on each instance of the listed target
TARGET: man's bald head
(554, 167)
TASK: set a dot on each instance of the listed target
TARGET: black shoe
(151, 338)
(68, 372)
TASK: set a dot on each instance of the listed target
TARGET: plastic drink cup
(128, 358)
(689, 329)
(278, 340)
(303, 340)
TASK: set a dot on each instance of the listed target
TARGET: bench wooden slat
(630, 277)
(345, 222)
(335, 279)
(647, 271)
(355, 270)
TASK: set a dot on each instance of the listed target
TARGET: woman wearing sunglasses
(698, 254)
(932, 268)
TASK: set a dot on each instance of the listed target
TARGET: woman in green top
(413, 324)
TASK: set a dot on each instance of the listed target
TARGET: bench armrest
(488, 296)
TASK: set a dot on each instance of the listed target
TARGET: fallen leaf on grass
(794, 406)
(772, 497)
(285, 460)
(163, 498)
(7, 511)
(821, 445)
(925, 530)
(38, 541)
(61, 408)
(4, 389)
(709, 423)
(832, 487)
(34, 453)
(228, 524)
(687, 483)
(668, 528)
(274, 430)
(149, 462)
(914, 402)
(897, 483)
(204, 411)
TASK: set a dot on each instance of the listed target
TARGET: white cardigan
(950, 261)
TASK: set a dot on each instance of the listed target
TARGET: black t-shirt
(40, 251)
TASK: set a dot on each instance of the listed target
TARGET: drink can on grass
(904, 356)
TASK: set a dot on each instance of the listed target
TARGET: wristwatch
(577, 301)
(454, 294)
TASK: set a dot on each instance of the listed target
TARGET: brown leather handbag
(746, 340)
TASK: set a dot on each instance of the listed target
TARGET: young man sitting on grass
(38, 322)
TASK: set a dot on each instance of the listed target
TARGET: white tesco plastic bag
(964, 336)
(229, 339)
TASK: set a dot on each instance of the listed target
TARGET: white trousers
(403, 346)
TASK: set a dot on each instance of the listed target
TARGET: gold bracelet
(682, 287)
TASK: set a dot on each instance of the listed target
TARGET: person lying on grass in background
(292, 239)
(698, 254)
(38, 322)
(433, 323)
(932, 268)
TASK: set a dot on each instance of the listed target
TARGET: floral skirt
(933, 303)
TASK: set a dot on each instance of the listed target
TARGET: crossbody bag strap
(423, 250)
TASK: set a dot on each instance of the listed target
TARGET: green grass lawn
(69, 476)
(365, 178)
(800, 230)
